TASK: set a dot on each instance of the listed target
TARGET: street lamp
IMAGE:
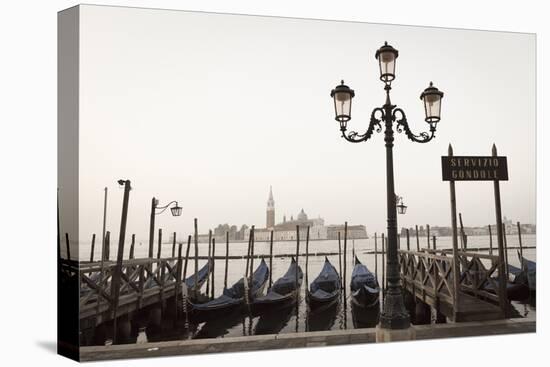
(394, 314)
(401, 208)
(176, 212)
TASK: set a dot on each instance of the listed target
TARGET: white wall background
(28, 151)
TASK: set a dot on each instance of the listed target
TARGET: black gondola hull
(365, 298)
(284, 292)
(325, 290)
(318, 303)
(232, 300)
(261, 307)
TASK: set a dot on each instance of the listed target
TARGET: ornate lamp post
(394, 314)
(176, 212)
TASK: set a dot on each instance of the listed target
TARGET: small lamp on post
(401, 208)
(176, 212)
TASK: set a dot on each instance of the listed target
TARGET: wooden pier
(428, 276)
(98, 300)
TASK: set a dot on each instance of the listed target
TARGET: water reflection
(322, 318)
(274, 322)
(365, 317)
(221, 326)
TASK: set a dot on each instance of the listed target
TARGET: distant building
(510, 228)
(354, 232)
(286, 230)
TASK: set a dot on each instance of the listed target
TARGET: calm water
(296, 319)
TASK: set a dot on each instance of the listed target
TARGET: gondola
(365, 290)
(325, 289)
(202, 276)
(284, 291)
(232, 298)
(516, 290)
(529, 272)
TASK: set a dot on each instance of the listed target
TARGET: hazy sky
(212, 109)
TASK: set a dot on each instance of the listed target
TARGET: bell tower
(270, 213)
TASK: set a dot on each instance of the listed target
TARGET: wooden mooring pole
(213, 267)
(179, 271)
(463, 236)
(345, 256)
(247, 267)
(208, 259)
(417, 239)
(115, 283)
(345, 274)
(103, 233)
(339, 260)
(270, 259)
(186, 257)
(251, 255)
(102, 269)
(174, 245)
(107, 245)
(297, 253)
(130, 269)
(159, 249)
(132, 245)
(408, 240)
(93, 249)
(520, 243)
(152, 227)
(196, 255)
(307, 256)
(456, 263)
(502, 284)
(68, 247)
(505, 251)
(434, 243)
(428, 234)
(490, 241)
(376, 256)
(226, 260)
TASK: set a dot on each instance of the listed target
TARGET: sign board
(462, 168)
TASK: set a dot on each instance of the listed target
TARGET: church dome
(302, 216)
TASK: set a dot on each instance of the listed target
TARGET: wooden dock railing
(428, 275)
(142, 282)
(476, 276)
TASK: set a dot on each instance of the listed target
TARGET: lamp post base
(384, 335)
